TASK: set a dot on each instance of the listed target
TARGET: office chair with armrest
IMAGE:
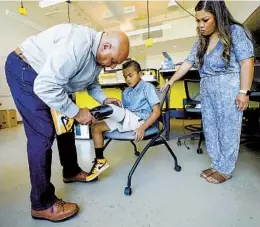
(153, 134)
(192, 110)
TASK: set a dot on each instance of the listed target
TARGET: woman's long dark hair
(224, 20)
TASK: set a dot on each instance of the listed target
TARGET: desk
(124, 85)
(112, 90)
(168, 73)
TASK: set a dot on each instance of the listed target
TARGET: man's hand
(242, 102)
(84, 117)
(139, 133)
(113, 101)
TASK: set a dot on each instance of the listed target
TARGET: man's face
(109, 56)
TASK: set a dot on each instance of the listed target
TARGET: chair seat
(128, 136)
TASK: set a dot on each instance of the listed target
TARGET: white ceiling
(109, 15)
(99, 11)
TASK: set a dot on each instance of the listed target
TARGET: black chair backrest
(192, 90)
(162, 95)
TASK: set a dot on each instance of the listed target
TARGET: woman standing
(224, 56)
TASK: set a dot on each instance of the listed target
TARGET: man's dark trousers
(40, 133)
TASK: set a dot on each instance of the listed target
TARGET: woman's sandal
(217, 178)
(207, 172)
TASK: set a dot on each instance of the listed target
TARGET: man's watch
(245, 92)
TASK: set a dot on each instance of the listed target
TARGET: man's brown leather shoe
(60, 211)
(81, 177)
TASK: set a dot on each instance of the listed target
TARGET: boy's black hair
(133, 63)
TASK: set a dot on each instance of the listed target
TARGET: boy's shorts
(131, 122)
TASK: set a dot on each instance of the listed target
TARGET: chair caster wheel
(179, 143)
(128, 191)
(177, 168)
(137, 153)
(199, 151)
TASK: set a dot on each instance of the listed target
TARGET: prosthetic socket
(101, 112)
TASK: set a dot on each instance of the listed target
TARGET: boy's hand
(139, 133)
(113, 101)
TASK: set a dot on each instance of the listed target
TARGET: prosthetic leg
(63, 124)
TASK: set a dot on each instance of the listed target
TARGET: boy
(141, 108)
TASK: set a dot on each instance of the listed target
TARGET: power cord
(148, 18)
(184, 9)
(68, 3)
(183, 129)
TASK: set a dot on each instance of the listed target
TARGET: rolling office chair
(153, 134)
(250, 134)
(192, 110)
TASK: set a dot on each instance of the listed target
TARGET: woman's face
(206, 22)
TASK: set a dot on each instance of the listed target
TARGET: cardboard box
(8, 118)
(3, 119)
(12, 118)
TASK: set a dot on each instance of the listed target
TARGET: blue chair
(153, 134)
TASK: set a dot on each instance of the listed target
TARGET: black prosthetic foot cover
(101, 112)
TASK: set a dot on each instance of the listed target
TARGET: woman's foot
(217, 178)
(207, 172)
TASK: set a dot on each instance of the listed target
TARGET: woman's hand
(169, 83)
(242, 102)
(180, 72)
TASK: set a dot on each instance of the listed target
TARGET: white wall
(12, 33)
(241, 10)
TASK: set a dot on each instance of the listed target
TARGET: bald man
(41, 73)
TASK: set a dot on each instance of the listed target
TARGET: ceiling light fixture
(47, 3)
(172, 3)
(152, 29)
(21, 19)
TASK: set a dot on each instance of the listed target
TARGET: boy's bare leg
(97, 130)
(100, 163)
